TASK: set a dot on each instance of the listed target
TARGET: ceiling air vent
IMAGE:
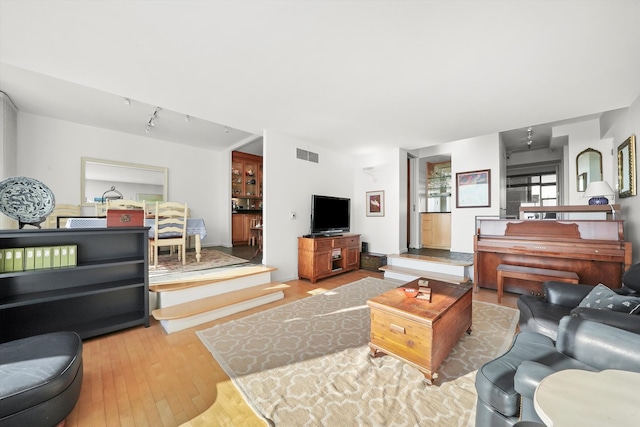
(313, 157)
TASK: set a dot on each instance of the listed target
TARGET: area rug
(307, 363)
(210, 258)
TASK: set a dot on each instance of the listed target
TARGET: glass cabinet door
(236, 179)
(251, 179)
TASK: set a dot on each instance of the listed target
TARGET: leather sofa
(506, 385)
(542, 314)
(40, 379)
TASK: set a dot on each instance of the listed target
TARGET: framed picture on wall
(473, 189)
(375, 203)
(627, 167)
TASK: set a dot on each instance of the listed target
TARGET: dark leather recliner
(506, 385)
(40, 379)
(542, 314)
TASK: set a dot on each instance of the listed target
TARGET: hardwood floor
(144, 377)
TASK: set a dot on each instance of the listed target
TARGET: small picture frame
(473, 189)
(375, 203)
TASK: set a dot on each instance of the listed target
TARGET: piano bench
(531, 273)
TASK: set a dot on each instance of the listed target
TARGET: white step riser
(392, 275)
(171, 298)
(176, 325)
(417, 264)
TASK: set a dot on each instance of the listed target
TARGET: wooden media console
(320, 257)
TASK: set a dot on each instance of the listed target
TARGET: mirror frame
(583, 179)
(627, 167)
(85, 160)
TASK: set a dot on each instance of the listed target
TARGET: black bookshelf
(108, 289)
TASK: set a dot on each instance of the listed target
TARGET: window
(535, 189)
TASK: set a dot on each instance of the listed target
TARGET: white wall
(385, 234)
(288, 185)
(8, 144)
(626, 125)
(467, 155)
(581, 136)
(479, 153)
(50, 151)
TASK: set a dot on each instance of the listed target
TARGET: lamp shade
(598, 190)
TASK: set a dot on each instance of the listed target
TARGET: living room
(50, 149)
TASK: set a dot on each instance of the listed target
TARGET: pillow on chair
(603, 298)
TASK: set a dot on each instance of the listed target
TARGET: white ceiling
(353, 76)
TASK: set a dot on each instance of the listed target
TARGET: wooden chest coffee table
(419, 332)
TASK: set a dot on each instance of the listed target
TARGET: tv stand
(324, 256)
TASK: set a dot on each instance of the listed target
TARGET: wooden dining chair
(169, 229)
(62, 210)
(101, 209)
(252, 237)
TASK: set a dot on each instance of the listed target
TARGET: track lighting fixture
(226, 129)
(151, 121)
(187, 118)
(127, 101)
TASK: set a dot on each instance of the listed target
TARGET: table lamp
(598, 190)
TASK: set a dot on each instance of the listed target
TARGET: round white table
(582, 398)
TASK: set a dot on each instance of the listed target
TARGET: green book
(18, 259)
(55, 256)
(46, 257)
(73, 255)
(29, 258)
(8, 260)
(1, 260)
(37, 262)
(64, 256)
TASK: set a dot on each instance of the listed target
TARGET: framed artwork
(627, 167)
(375, 203)
(473, 189)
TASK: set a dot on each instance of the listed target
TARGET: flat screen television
(330, 215)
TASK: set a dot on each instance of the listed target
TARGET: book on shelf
(72, 253)
(18, 259)
(8, 260)
(55, 256)
(29, 258)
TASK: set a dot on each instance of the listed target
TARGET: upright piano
(594, 249)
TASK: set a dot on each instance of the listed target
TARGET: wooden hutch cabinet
(246, 194)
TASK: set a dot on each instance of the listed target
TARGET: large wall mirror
(627, 167)
(588, 167)
(129, 180)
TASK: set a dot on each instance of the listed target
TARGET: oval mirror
(588, 167)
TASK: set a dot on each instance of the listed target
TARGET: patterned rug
(307, 363)
(210, 258)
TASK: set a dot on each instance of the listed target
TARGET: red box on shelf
(125, 218)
